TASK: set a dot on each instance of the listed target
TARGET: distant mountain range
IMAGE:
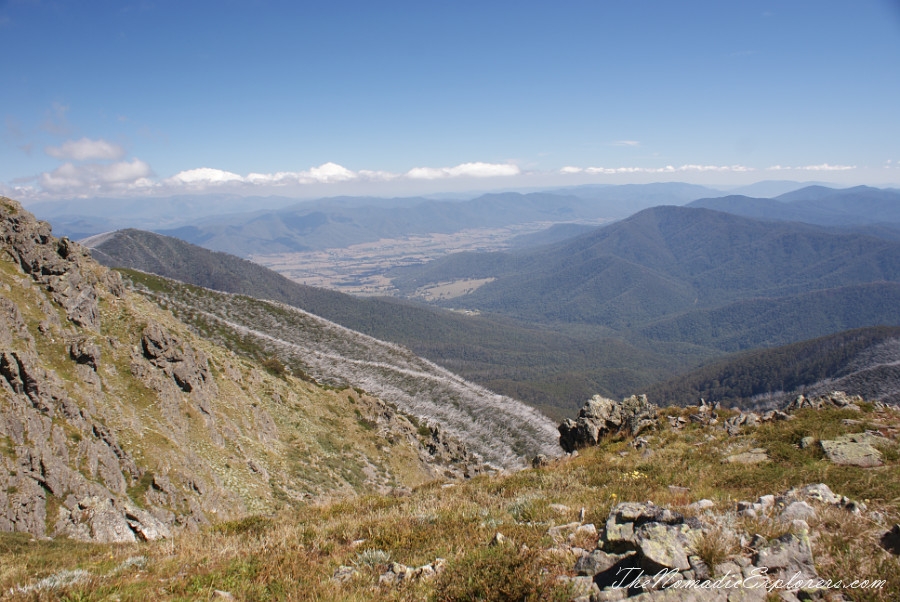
(267, 225)
(676, 263)
(861, 205)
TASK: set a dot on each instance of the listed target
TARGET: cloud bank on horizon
(352, 97)
(84, 174)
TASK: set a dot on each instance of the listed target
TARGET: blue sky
(311, 99)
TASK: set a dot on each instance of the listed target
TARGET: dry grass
(716, 545)
(292, 555)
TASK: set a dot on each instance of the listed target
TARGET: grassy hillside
(293, 555)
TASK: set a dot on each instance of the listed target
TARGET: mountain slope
(503, 431)
(118, 422)
(860, 362)
(662, 261)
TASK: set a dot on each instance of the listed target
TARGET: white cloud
(204, 176)
(827, 167)
(330, 172)
(822, 167)
(94, 177)
(652, 170)
(86, 150)
(326, 173)
(377, 176)
(464, 170)
(626, 143)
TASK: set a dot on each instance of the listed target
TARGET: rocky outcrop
(189, 368)
(63, 267)
(835, 399)
(96, 518)
(601, 417)
(651, 553)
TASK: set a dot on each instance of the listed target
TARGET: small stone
(588, 530)
(540, 461)
(499, 539)
(726, 569)
(786, 556)
(766, 501)
(755, 456)
(798, 510)
(561, 531)
(581, 586)
(821, 493)
(699, 568)
(662, 547)
(703, 504)
(344, 573)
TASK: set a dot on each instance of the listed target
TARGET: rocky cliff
(118, 423)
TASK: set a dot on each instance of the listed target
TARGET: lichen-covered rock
(853, 450)
(601, 416)
(664, 547)
(662, 564)
(735, 424)
(787, 556)
(598, 561)
(619, 534)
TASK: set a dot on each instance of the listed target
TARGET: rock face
(601, 416)
(57, 265)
